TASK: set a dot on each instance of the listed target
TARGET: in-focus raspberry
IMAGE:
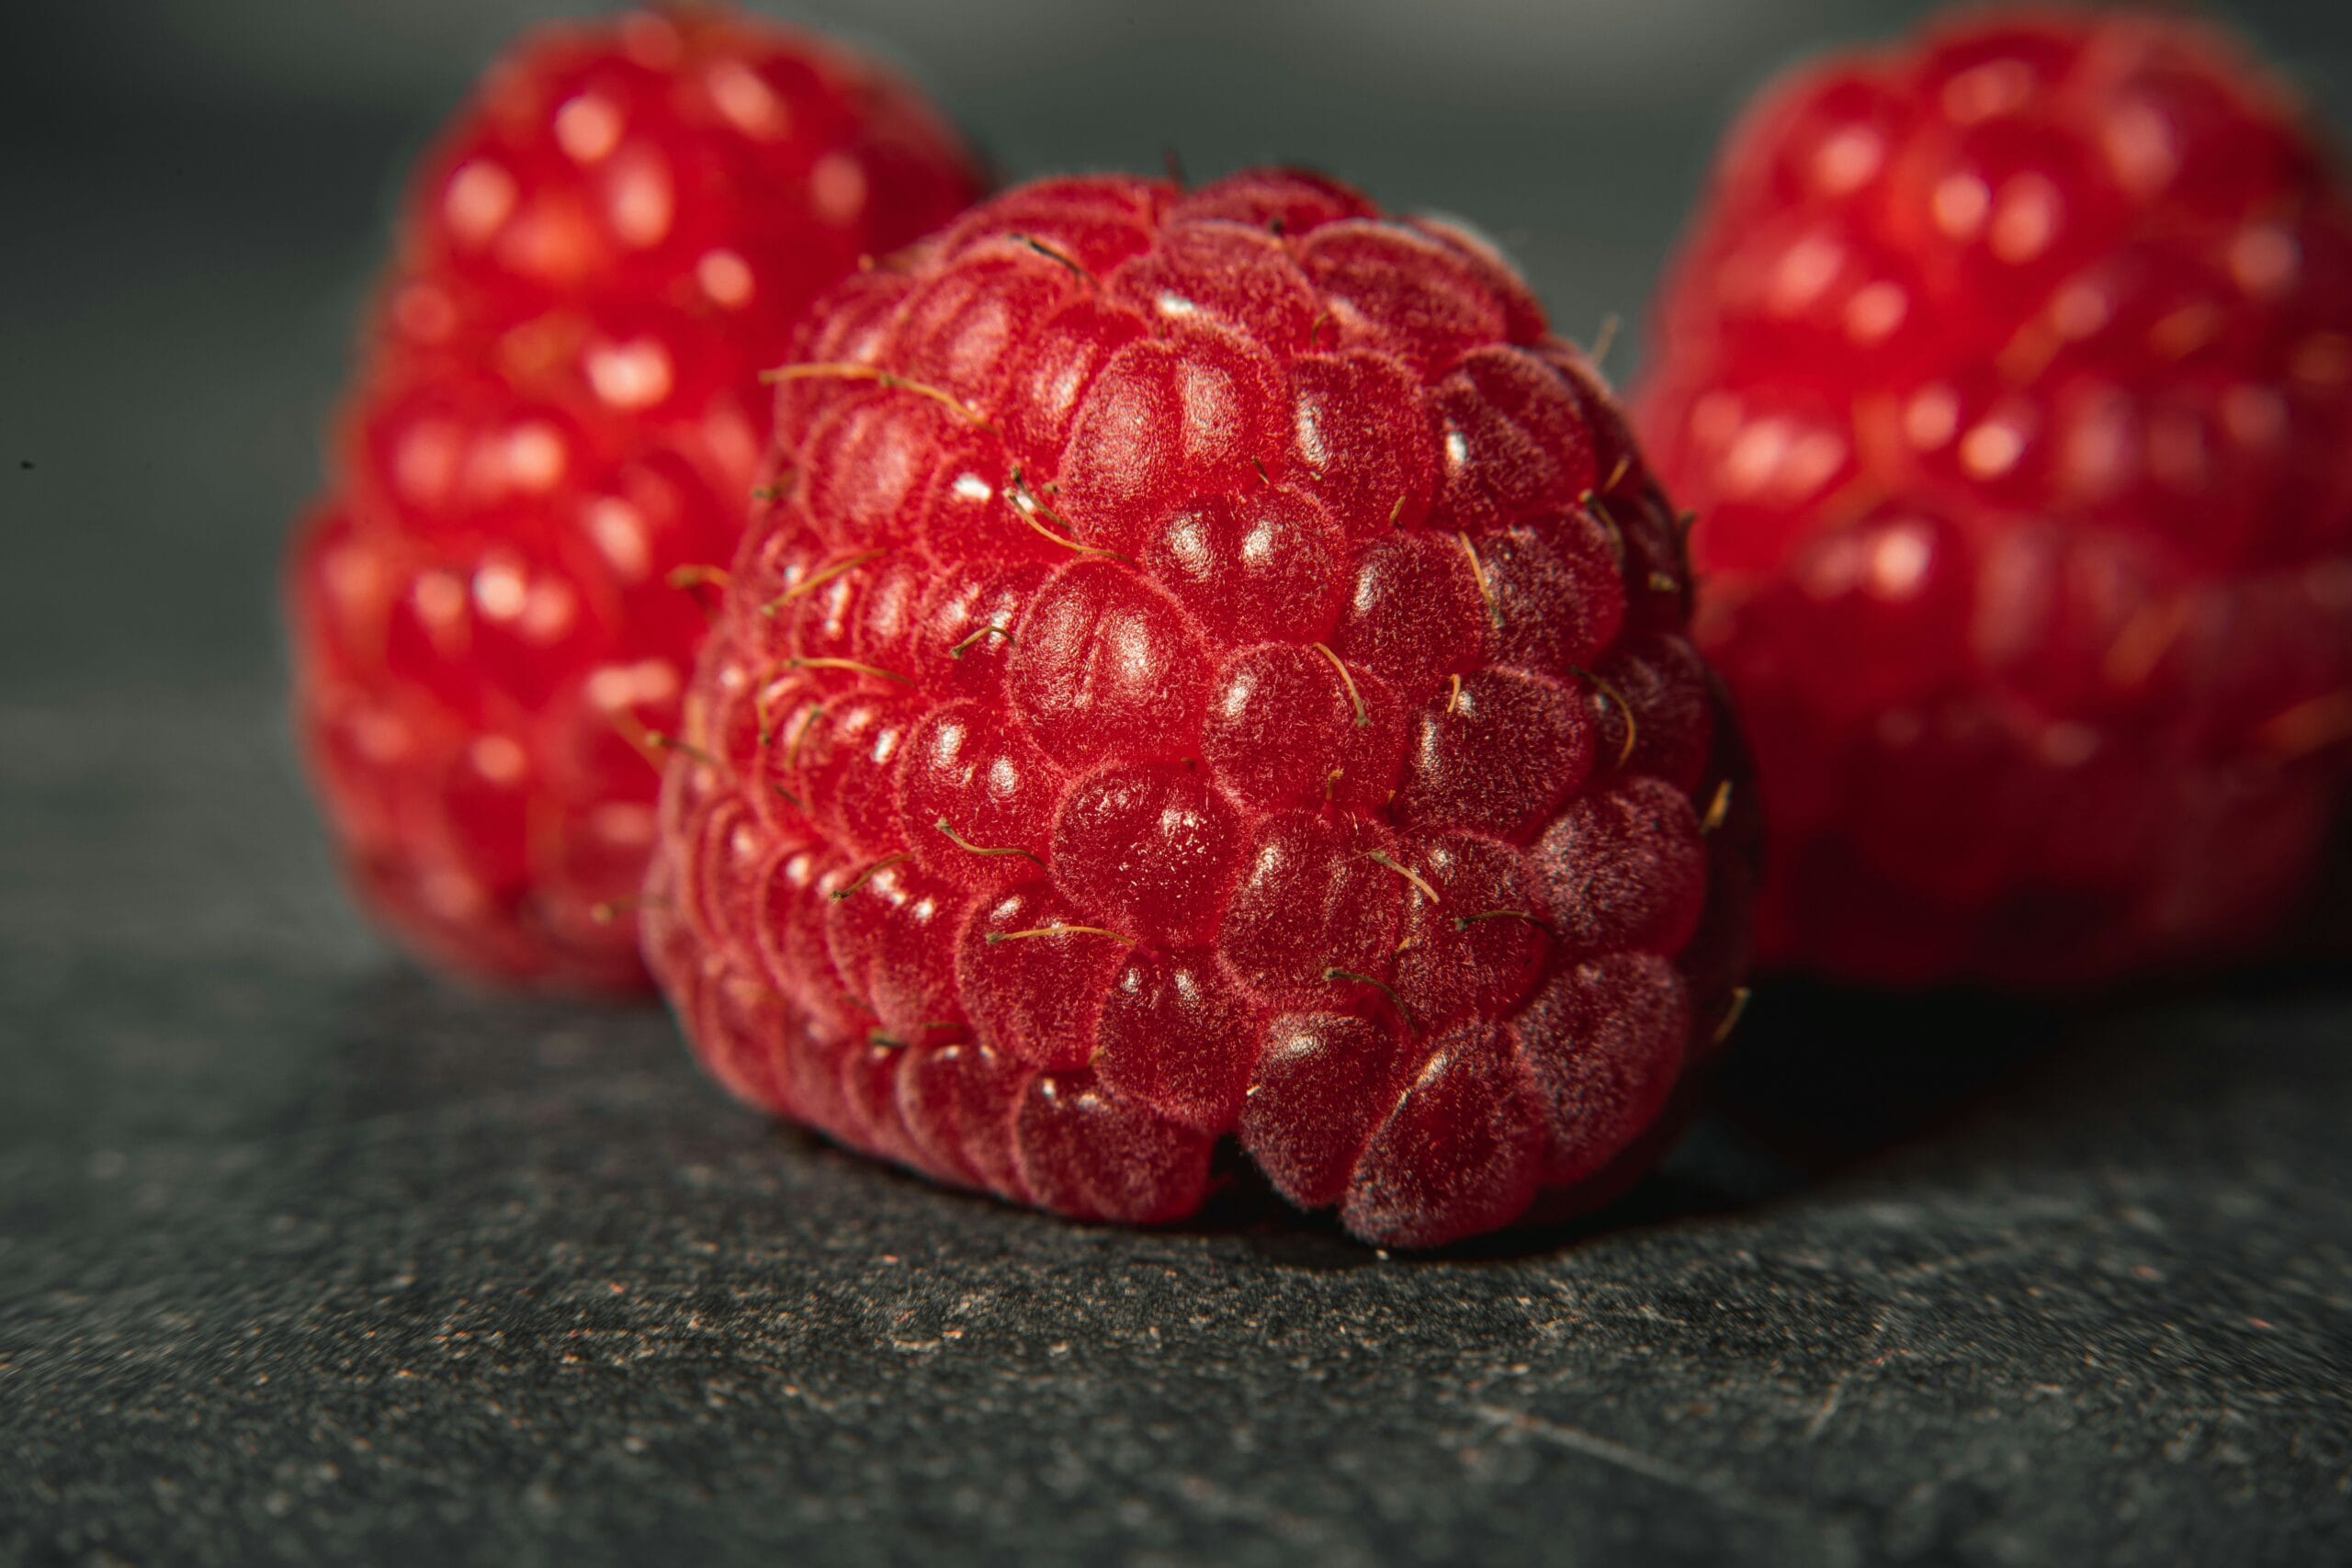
(1214, 669)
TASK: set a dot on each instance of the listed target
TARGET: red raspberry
(1218, 669)
(563, 408)
(2011, 375)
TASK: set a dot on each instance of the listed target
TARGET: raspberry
(1216, 670)
(561, 408)
(2010, 372)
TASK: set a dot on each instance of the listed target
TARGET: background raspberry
(1215, 666)
(2010, 373)
(558, 408)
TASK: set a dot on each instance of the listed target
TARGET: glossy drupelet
(1214, 668)
(2011, 374)
(560, 407)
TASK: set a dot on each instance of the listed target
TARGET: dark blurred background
(306, 1258)
(193, 194)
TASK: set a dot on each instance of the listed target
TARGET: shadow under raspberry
(1824, 1084)
(1827, 1083)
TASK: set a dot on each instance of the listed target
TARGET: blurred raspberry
(1214, 669)
(2010, 373)
(560, 411)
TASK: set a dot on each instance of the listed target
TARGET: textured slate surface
(305, 1258)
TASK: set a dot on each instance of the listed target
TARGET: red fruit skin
(2009, 371)
(561, 409)
(1231, 665)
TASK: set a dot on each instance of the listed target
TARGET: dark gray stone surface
(306, 1258)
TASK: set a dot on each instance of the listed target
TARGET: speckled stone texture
(303, 1258)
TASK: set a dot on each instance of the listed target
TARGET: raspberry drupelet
(560, 407)
(2011, 374)
(1213, 667)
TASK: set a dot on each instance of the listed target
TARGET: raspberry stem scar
(815, 711)
(843, 371)
(964, 647)
(852, 664)
(1409, 873)
(1610, 691)
(961, 842)
(1591, 500)
(838, 893)
(663, 740)
(1028, 508)
(1031, 243)
(1464, 922)
(640, 739)
(697, 575)
(1025, 499)
(604, 911)
(995, 937)
(1363, 716)
(1336, 972)
(1718, 809)
(649, 743)
(763, 716)
(1478, 570)
(817, 579)
(1604, 340)
(1026, 515)
(1732, 1015)
(892, 1043)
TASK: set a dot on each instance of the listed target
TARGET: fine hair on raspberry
(1210, 669)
